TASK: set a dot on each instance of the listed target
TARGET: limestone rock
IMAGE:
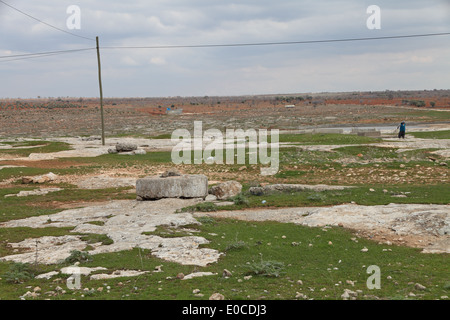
(185, 186)
(226, 190)
(139, 151)
(40, 179)
(125, 147)
(418, 286)
(226, 273)
(217, 296)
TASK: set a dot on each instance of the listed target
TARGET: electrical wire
(40, 55)
(44, 53)
(47, 24)
(279, 43)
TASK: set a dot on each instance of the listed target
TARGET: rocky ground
(130, 223)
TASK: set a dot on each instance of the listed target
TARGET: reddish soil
(147, 116)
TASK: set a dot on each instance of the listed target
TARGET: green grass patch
(201, 207)
(444, 134)
(38, 147)
(383, 195)
(277, 255)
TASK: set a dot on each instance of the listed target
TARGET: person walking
(402, 131)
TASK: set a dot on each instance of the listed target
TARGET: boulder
(226, 190)
(40, 179)
(184, 186)
(139, 151)
(125, 147)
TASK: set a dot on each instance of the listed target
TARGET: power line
(279, 43)
(47, 24)
(44, 53)
(39, 55)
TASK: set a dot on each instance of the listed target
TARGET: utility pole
(101, 91)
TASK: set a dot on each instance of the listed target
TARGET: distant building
(289, 106)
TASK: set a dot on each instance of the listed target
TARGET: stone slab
(184, 186)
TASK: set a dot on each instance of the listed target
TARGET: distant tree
(432, 104)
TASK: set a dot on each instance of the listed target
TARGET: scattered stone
(349, 294)
(171, 173)
(299, 295)
(418, 286)
(210, 197)
(85, 271)
(49, 177)
(352, 283)
(29, 294)
(217, 296)
(47, 275)
(364, 249)
(300, 282)
(118, 274)
(36, 192)
(226, 190)
(226, 273)
(197, 275)
(180, 276)
(196, 291)
(139, 152)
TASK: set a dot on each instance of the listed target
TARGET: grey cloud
(297, 68)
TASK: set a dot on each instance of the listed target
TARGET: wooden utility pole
(101, 91)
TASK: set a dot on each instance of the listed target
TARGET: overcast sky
(396, 64)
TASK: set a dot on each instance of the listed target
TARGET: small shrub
(267, 268)
(19, 272)
(78, 256)
(236, 245)
(201, 207)
(240, 199)
(206, 220)
(316, 197)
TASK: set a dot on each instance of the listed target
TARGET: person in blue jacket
(401, 133)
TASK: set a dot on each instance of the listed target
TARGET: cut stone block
(185, 186)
